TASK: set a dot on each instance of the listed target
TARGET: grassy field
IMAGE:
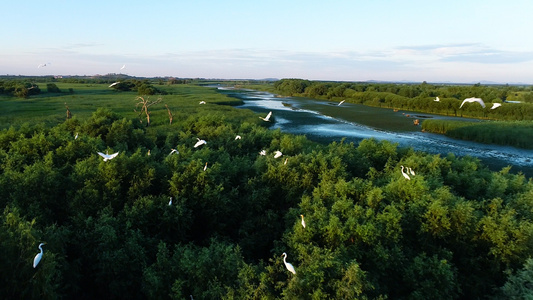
(50, 108)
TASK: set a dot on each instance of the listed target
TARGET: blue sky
(434, 41)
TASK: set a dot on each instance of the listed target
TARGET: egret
(38, 257)
(411, 171)
(238, 137)
(114, 83)
(202, 102)
(199, 143)
(278, 154)
(42, 65)
(341, 102)
(173, 151)
(437, 99)
(303, 222)
(107, 156)
(286, 159)
(76, 137)
(405, 175)
(148, 152)
(478, 100)
(170, 202)
(263, 152)
(267, 118)
(288, 265)
(495, 105)
(122, 68)
(205, 167)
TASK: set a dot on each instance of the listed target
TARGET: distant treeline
(420, 97)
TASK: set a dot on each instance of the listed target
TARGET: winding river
(325, 121)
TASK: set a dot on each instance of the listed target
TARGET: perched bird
(495, 105)
(405, 175)
(205, 167)
(411, 171)
(199, 143)
(286, 159)
(107, 156)
(288, 265)
(148, 152)
(478, 100)
(267, 118)
(437, 99)
(303, 222)
(76, 137)
(114, 83)
(173, 151)
(202, 102)
(278, 154)
(341, 102)
(38, 257)
(263, 152)
(170, 202)
(238, 137)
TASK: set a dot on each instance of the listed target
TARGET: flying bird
(288, 265)
(114, 83)
(107, 156)
(199, 143)
(341, 102)
(267, 118)
(495, 105)
(437, 99)
(478, 100)
(122, 68)
(173, 151)
(263, 152)
(278, 154)
(238, 137)
(38, 257)
(303, 222)
(405, 175)
(42, 65)
(202, 102)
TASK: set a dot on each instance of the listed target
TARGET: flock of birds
(473, 99)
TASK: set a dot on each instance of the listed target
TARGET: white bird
(238, 137)
(263, 152)
(341, 102)
(205, 167)
(303, 222)
(107, 156)
(122, 68)
(170, 202)
(437, 99)
(405, 175)
(114, 83)
(278, 154)
(411, 171)
(173, 151)
(38, 257)
(495, 105)
(148, 152)
(76, 137)
(286, 159)
(202, 102)
(42, 65)
(478, 100)
(288, 265)
(267, 118)
(199, 143)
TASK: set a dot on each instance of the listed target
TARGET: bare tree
(169, 114)
(145, 104)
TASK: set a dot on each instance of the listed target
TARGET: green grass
(50, 109)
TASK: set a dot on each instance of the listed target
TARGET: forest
(213, 221)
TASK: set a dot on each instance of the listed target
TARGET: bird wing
(102, 154)
(268, 116)
(110, 156)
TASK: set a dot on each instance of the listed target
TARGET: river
(325, 121)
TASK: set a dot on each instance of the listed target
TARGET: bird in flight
(173, 151)
(202, 102)
(267, 118)
(495, 105)
(107, 156)
(199, 143)
(278, 154)
(263, 152)
(114, 83)
(238, 137)
(341, 103)
(478, 100)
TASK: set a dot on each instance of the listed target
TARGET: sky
(460, 41)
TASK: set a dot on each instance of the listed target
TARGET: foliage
(455, 230)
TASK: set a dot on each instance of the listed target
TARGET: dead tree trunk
(169, 114)
(145, 104)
